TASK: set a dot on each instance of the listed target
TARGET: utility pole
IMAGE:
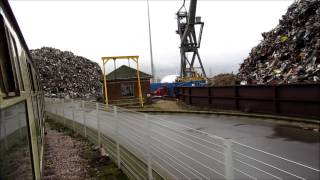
(150, 41)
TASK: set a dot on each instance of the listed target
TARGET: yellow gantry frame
(114, 58)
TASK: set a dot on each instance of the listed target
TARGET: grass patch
(102, 167)
(60, 128)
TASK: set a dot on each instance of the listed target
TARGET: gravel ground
(63, 157)
(67, 155)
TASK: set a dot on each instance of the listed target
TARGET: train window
(9, 85)
(35, 79)
(15, 147)
(15, 57)
(30, 76)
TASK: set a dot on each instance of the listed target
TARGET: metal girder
(106, 59)
(190, 43)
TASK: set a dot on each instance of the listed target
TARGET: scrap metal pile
(64, 74)
(224, 79)
(290, 53)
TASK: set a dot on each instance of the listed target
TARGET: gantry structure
(114, 58)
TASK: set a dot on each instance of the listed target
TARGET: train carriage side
(21, 104)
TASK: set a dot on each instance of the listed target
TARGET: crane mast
(190, 42)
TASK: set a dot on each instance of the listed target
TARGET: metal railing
(149, 147)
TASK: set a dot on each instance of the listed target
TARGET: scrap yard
(224, 90)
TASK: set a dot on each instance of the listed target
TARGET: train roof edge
(7, 10)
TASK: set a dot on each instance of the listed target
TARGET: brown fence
(301, 100)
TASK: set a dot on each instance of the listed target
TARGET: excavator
(188, 22)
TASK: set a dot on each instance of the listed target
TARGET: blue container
(171, 86)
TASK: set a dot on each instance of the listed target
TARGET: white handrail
(288, 160)
(192, 148)
(192, 159)
(163, 133)
(268, 165)
(194, 137)
(245, 173)
(258, 169)
(157, 149)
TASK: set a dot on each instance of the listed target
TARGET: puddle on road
(295, 134)
(239, 124)
(196, 130)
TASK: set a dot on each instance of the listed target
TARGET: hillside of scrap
(63, 74)
(289, 53)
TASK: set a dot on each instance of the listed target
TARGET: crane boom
(190, 41)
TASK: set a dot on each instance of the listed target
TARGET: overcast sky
(112, 28)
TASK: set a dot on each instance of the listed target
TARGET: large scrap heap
(64, 74)
(290, 53)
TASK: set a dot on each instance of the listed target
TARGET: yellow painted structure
(114, 58)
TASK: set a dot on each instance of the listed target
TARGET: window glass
(127, 89)
(8, 85)
(37, 120)
(12, 60)
(15, 151)
(15, 57)
(35, 80)
(30, 77)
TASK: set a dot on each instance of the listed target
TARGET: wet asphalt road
(294, 143)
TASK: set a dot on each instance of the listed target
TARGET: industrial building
(123, 85)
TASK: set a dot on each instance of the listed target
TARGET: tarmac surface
(287, 141)
(187, 146)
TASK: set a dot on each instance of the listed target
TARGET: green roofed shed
(123, 85)
(124, 72)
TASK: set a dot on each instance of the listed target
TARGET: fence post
(115, 114)
(98, 125)
(64, 119)
(73, 123)
(228, 160)
(84, 119)
(148, 146)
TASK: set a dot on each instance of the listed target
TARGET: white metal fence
(149, 147)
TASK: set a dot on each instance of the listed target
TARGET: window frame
(10, 85)
(16, 58)
(131, 89)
